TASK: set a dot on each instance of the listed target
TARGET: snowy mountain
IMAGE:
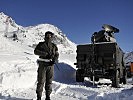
(18, 67)
(33, 34)
(128, 57)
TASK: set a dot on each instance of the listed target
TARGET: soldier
(48, 55)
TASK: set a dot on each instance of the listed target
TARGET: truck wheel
(116, 80)
(124, 79)
(79, 77)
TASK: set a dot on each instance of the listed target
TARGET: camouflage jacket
(47, 51)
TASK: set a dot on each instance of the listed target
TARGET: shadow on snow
(11, 98)
(65, 73)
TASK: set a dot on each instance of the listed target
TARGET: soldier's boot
(47, 97)
(38, 97)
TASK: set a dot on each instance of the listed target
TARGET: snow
(18, 68)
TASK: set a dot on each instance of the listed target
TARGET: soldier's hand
(52, 62)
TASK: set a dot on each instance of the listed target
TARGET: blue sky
(78, 19)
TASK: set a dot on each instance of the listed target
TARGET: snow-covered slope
(33, 34)
(18, 68)
(128, 57)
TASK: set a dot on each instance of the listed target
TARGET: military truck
(102, 58)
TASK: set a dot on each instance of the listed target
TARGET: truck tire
(124, 79)
(116, 79)
(79, 77)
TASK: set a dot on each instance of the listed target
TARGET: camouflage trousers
(45, 76)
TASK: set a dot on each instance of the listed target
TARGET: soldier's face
(48, 37)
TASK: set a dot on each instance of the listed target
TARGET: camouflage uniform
(48, 54)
